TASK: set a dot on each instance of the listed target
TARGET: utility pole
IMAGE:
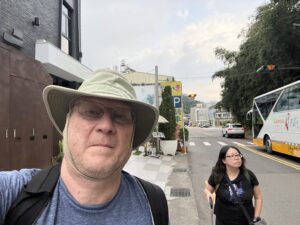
(183, 130)
(157, 106)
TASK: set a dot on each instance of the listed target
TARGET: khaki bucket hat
(106, 84)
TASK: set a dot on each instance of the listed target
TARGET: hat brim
(57, 100)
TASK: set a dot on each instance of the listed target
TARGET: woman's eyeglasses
(234, 156)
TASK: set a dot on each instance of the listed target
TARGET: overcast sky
(179, 36)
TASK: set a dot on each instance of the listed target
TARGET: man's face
(100, 136)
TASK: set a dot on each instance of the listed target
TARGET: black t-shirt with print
(227, 209)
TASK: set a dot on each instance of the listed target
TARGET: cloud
(180, 38)
(183, 14)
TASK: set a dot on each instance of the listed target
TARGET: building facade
(223, 117)
(40, 45)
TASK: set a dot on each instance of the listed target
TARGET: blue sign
(176, 101)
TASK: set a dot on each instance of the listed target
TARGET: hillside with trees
(273, 37)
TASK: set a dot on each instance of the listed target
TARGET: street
(279, 175)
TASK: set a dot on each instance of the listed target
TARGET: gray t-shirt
(129, 206)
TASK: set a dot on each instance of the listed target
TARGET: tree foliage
(188, 103)
(167, 110)
(270, 39)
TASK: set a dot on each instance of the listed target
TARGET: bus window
(257, 122)
(266, 103)
(283, 102)
(294, 97)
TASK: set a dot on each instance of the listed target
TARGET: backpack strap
(37, 193)
(247, 175)
(34, 197)
(158, 202)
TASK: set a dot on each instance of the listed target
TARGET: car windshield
(237, 126)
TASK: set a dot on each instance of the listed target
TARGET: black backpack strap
(34, 197)
(247, 175)
(157, 201)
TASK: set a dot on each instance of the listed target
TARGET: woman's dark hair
(219, 169)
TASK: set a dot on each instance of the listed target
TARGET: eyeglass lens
(235, 156)
(95, 110)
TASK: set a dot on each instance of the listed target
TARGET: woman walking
(230, 168)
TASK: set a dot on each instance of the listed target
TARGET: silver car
(233, 129)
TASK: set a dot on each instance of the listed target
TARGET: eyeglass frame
(239, 155)
(110, 110)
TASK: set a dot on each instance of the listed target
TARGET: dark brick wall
(19, 14)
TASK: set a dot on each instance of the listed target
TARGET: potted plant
(167, 110)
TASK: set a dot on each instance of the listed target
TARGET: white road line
(192, 143)
(250, 143)
(221, 143)
(206, 143)
(237, 143)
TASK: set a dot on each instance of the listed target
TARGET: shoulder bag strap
(157, 200)
(34, 197)
(238, 199)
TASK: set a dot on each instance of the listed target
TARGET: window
(266, 103)
(257, 121)
(66, 22)
(283, 102)
(289, 100)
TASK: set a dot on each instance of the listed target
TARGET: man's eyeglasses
(234, 156)
(95, 110)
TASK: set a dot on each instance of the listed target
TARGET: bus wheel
(268, 144)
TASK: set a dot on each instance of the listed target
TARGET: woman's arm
(258, 201)
(208, 191)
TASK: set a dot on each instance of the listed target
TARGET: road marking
(221, 143)
(192, 143)
(206, 143)
(266, 155)
(237, 143)
(250, 143)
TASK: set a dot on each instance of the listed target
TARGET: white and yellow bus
(276, 120)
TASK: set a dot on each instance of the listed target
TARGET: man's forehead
(105, 101)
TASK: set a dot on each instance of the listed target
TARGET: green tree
(270, 39)
(167, 110)
(188, 103)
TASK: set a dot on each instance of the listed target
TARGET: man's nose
(105, 123)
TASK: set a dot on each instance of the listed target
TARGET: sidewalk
(171, 174)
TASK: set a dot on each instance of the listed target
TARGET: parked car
(203, 125)
(233, 129)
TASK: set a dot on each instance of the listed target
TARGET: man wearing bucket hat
(101, 123)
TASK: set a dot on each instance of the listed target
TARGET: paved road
(279, 176)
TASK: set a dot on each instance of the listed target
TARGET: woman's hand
(208, 191)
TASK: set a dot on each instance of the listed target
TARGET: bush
(167, 110)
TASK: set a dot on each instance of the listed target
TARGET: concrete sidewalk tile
(139, 158)
(165, 169)
(149, 175)
(132, 166)
(153, 167)
(167, 158)
(156, 161)
(163, 177)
